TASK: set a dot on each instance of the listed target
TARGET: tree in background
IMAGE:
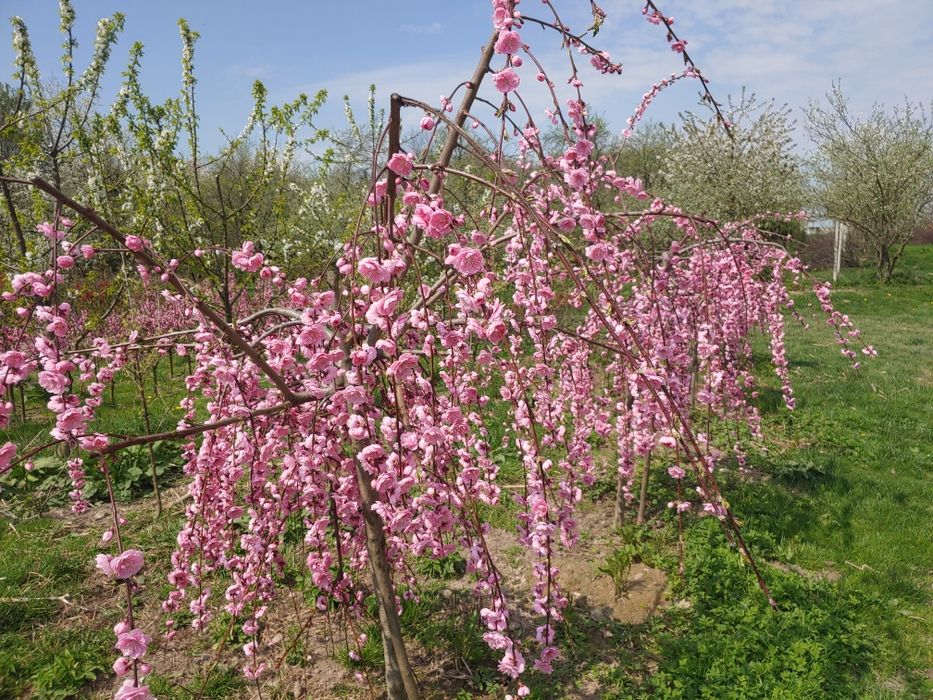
(166, 185)
(644, 154)
(143, 164)
(39, 119)
(749, 170)
(874, 173)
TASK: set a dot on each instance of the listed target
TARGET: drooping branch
(229, 332)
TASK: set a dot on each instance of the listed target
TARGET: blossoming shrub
(360, 403)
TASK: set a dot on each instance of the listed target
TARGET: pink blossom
(58, 326)
(49, 231)
(122, 566)
(71, 420)
(597, 252)
(577, 178)
(247, 259)
(466, 261)
(427, 122)
(401, 164)
(13, 359)
(66, 262)
(384, 307)
(53, 382)
(379, 192)
(88, 251)
(403, 366)
(506, 80)
(440, 222)
(129, 691)
(94, 443)
(133, 644)
(7, 453)
(513, 663)
(254, 672)
(373, 270)
(122, 666)
(134, 243)
(102, 561)
(495, 331)
(501, 17)
(508, 42)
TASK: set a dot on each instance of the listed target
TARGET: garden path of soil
(188, 657)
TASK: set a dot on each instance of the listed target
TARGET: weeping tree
(874, 172)
(365, 406)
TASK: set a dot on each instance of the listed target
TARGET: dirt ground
(314, 670)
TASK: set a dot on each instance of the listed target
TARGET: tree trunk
(643, 495)
(395, 688)
(14, 217)
(399, 668)
(385, 592)
(884, 265)
(152, 459)
(618, 514)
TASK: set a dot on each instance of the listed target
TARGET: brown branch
(229, 332)
(689, 61)
(197, 429)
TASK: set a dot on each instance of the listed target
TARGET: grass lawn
(838, 511)
(852, 467)
(847, 496)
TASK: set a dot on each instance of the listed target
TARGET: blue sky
(790, 50)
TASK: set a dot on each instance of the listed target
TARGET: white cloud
(792, 50)
(433, 28)
(256, 72)
(789, 50)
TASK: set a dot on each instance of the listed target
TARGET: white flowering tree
(734, 174)
(143, 164)
(874, 172)
(645, 153)
(39, 120)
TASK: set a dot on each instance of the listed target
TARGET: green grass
(852, 467)
(41, 563)
(730, 644)
(848, 497)
(221, 682)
